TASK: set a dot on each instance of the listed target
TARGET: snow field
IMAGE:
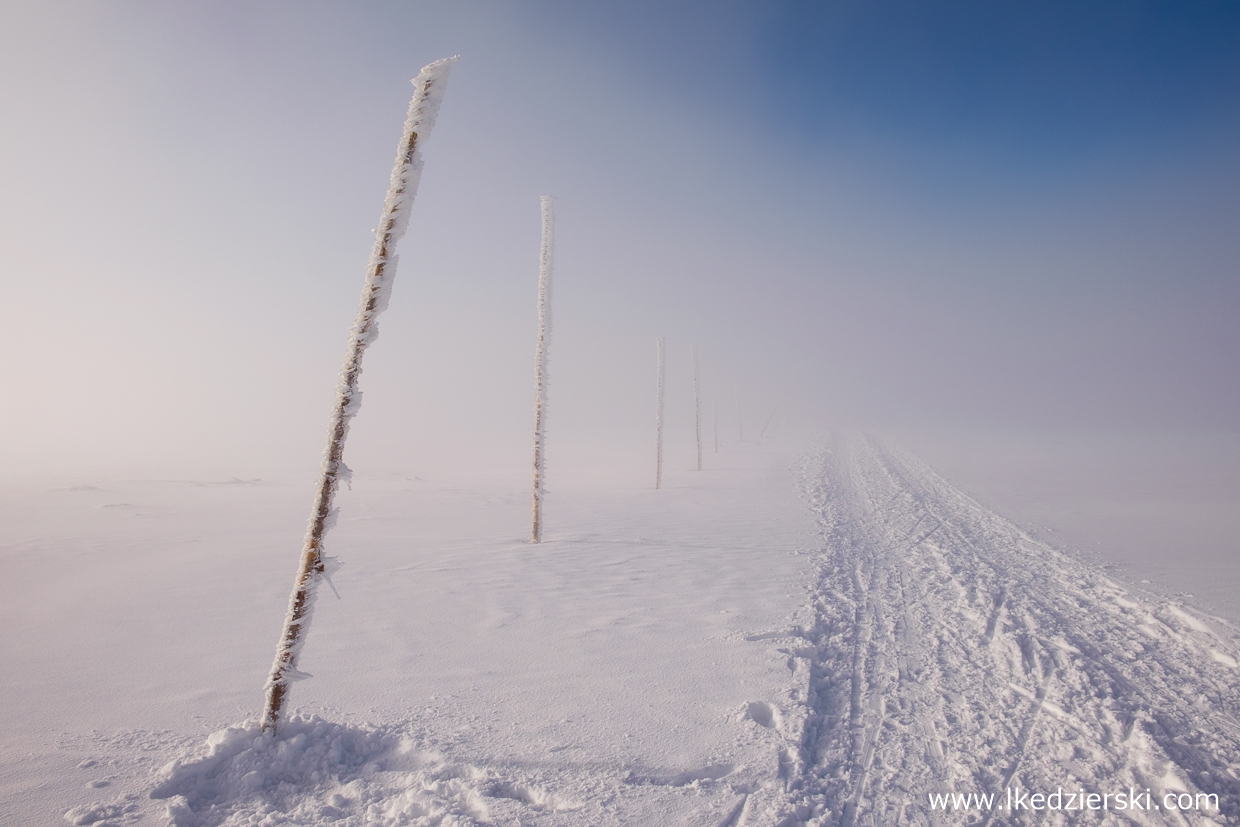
(602, 677)
(772, 642)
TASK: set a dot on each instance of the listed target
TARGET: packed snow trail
(945, 651)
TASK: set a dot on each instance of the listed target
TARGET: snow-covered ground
(783, 638)
(1157, 508)
(947, 651)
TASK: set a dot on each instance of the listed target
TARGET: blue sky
(942, 215)
(1040, 85)
(1036, 86)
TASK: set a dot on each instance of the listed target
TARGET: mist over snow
(208, 233)
(999, 241)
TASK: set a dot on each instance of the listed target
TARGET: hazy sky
(895, 214)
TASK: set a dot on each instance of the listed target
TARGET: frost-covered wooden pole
(714, 415)
(658, 415)
(314, 565)
(769, 420)
(540, 360)
(697, 408)
(740, 424)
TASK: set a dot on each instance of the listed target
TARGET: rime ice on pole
(406, 172)
(697, 407)
(658, 419)
(547, 203)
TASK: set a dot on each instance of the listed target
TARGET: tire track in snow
(945, 650)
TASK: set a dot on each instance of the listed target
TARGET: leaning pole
(540, 362)
(315, 566)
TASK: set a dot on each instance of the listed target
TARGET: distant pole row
(660, 372)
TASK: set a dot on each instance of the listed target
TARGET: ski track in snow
(942, 650)
(945, 650)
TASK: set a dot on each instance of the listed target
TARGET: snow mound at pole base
(314, 772)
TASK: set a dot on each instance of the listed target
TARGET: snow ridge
(317, 772)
